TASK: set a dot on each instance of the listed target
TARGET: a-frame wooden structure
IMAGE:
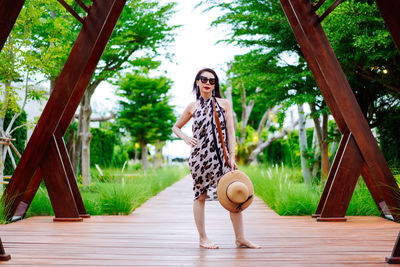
(358, 152)
(45, 156)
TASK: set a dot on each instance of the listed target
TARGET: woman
(206, 161)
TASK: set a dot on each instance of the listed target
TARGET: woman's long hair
(216, 93)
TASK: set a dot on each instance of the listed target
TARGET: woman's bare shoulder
(191, 107)
(224, 103)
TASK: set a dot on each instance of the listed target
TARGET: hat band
(239, 207)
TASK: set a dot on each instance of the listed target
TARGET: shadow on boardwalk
(162, 232)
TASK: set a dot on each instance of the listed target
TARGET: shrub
(102, 147)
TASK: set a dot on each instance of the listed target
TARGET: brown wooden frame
(45, 156)
(358, 152)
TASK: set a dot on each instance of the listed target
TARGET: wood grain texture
(162, 233)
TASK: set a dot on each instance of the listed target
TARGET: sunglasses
(205, 80)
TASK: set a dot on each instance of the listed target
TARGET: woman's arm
(186, 116)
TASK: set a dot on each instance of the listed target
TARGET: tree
(145, 112)
(142, 27)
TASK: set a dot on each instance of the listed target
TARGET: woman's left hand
(233, 164)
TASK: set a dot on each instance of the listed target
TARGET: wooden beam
(82, 5)
(331, 174)
(343, 184)
(70, 176)
(9, 11)
(395, 257)
(75, 66)
(390, 13)
(3, 255)
(57, 184)
(318, 5)
(84, 80)
(329, 10)
(71, 11)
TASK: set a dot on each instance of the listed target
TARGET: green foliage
(102, 147)
(282, 190)
(367, 55)
(143, 26)
(120, 156)
(145, 111)
(20, 135)
(116, 199)
(388, 136)
(286, 150)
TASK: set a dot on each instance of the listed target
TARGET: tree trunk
(86, 136)
(77, 150)
(324, 149)
(2, 161)
(145, 164)
(158, 158)
(303, 146)
(315, 148)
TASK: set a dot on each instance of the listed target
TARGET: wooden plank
(390, 13)
(55, 107)
(9, 11)
(343, 184)
(152, 237)
(57, 184)
(345, 100)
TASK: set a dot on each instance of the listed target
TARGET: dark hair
(216, 86)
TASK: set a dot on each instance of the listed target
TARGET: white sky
(195, 48)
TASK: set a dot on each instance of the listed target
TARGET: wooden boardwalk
(162, 233)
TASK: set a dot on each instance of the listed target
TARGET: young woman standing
(206, 161)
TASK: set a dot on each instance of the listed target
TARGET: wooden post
(3, 255)
(395, 257)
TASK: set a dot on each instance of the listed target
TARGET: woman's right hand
(191, 141)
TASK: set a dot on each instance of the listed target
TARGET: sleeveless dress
(206, 162)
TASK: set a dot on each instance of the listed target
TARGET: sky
(195, 48)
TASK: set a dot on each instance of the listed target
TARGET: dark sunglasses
(205, 80)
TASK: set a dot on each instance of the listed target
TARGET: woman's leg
(237, 223)
(198, 212)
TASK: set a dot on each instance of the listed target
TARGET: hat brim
(223, 183)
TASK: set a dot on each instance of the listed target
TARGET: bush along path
(116, 193)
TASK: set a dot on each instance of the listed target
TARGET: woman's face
(206, 83)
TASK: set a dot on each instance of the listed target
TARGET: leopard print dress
(206, 162)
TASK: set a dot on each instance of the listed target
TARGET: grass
(116, 193)
(121, 192)
(282, 190)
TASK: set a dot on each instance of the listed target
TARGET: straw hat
(235, 191)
